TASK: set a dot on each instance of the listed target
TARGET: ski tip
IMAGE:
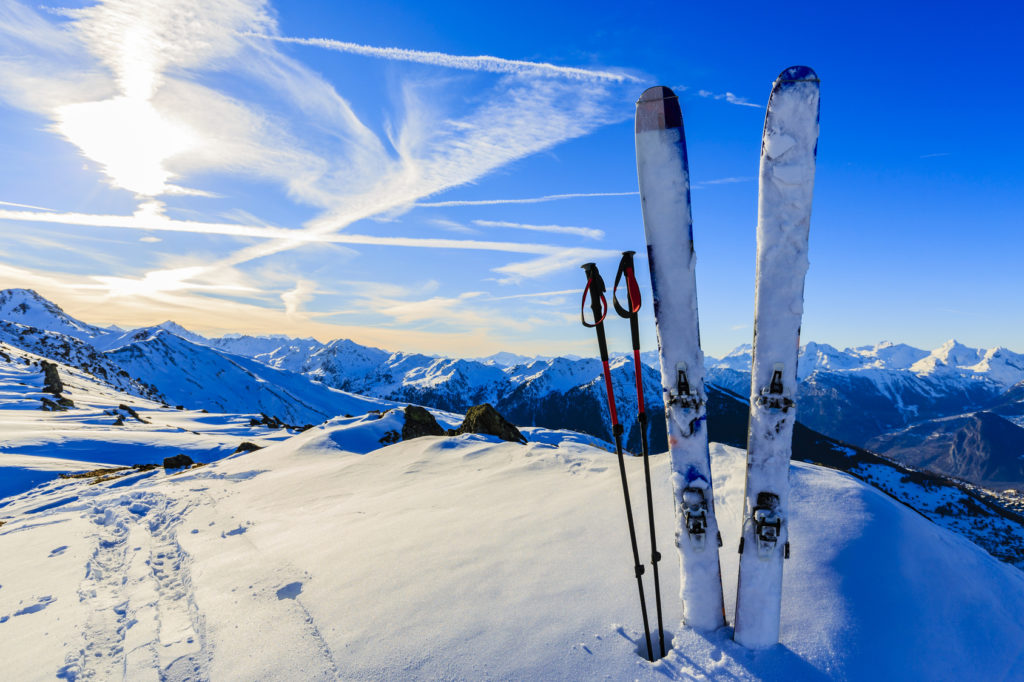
(658, 109)
(797, 74)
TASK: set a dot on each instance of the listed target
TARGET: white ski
(788, 149)
(665, 195)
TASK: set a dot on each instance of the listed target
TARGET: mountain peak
(26, 306)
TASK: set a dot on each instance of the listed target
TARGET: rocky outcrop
(419, 422)
(486, 420)
(178, 461)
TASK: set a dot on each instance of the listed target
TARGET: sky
(429, 177)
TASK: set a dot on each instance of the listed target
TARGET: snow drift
(326, 557)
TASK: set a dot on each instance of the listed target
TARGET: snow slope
(38, 445)
(322, 557)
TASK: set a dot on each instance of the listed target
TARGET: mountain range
(271, 387)
(963, 406)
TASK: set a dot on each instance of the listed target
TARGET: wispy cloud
(728, 97)
(452, 226)
(477, 63)
(125, 82)
(160, 223)
(932, 156)
(37, 208)
(721, 181)
(565, 259)
(588, 232)
(528, 200)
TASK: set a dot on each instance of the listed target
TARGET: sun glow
(129, 138)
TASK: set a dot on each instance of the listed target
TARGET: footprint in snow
(236, 531)
(41, 604)
(290, 591)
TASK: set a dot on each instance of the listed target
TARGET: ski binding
(774, 396)
(767, 523)
(695, 512)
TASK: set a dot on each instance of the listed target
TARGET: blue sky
(249, 167)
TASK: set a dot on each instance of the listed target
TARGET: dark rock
(50, 406)
(178, 461)
(51, 379)
(419, 422)
(485, 419)
(130, 410)
(246, 446)
(65, 402)
(390, 437)
(119, 421)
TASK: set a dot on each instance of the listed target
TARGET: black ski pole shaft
(599, 306)
(633, 302)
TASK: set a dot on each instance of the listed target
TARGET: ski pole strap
(632, 288)
(595, 287)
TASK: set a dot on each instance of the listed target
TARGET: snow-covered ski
(664, 179)
(788, 149)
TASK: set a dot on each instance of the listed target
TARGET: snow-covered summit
(298, 560)
(25, 306)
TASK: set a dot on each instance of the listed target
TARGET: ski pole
(599, 306)
(633, 301)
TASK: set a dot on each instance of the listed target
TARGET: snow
(467, 558)
(37, 445)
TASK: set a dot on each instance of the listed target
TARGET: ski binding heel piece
(773, 396)
(767, 523)
(695, 512)
(683, 396)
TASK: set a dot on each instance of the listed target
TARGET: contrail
(478, 63)
(11, 203)
(163, 224)
(588, 232)
(532, 200)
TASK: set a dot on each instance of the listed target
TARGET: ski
(786, 185)
(664, 179)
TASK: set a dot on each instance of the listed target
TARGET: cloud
(478, 63)
(452, 226)
(936, 154)
(539, 267)
(728, 97)
(37, 208)
(150, 240)
(148, 221)
(302, 293)
(725, 181)
(156, 70)
(531, 200)
(211, 315)
(587, 232)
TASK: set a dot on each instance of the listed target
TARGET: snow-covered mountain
(981, 447)
(297, 561)
(200, 376)
(855, 395)
(27, 308)
(858, 394)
